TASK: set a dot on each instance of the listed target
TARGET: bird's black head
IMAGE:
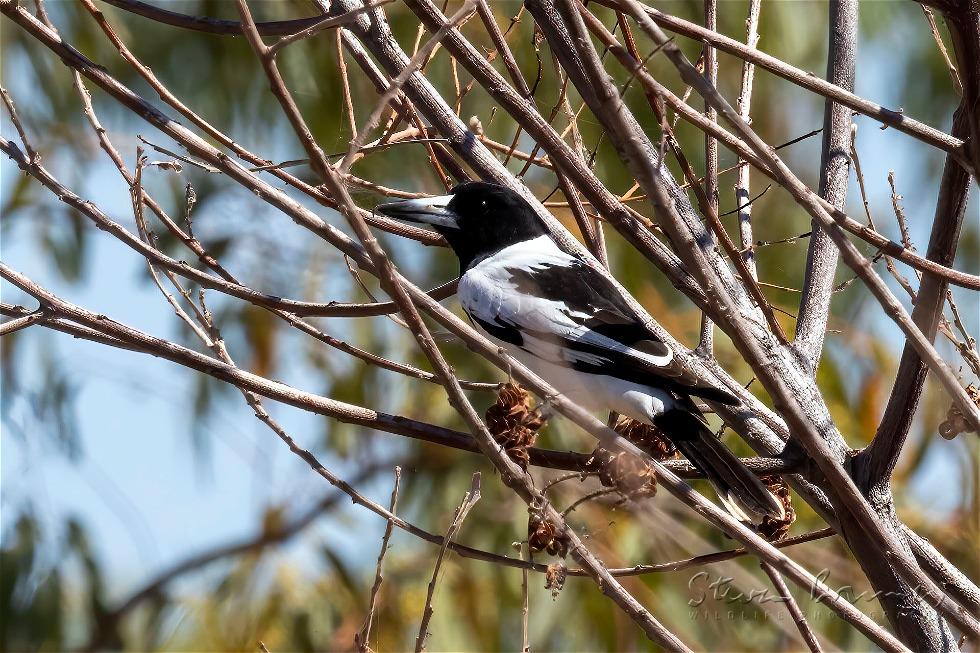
(477, 219)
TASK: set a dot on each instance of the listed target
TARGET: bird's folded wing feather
(556, 307)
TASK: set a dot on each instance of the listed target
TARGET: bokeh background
(116, 467)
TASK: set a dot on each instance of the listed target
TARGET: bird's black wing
(555, 306)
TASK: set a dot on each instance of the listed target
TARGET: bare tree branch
(942, 571)
(706, 339)
(835, 166)
(963, 21)
(708, 207)
(742, 149)
(22, 322)
(851, 255)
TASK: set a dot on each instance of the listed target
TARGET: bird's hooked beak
(428, 210)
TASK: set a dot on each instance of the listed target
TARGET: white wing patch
(487, 293)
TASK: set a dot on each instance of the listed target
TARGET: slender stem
(8, 102)
(525, 611)
(363, 638)
(326, 22)
(500, 43)
(793, 607)
(710, 143)
(15, 325)
(744, 111)
(469, 500)
(822, 253)
(706, 340)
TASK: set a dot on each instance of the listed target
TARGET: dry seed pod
(513, 422)
(542, 535)
(647, 437)
(631, 477)
(555, 578)
(776, 529)
(955, 422)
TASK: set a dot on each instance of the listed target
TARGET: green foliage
(31, 601)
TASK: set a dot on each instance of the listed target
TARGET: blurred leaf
(31, 599)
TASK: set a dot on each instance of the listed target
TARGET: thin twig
(859, 174)
(32, 154)
(525, 608)
(595, 494)
(950, 66)
(378, 147)
(362, 641)
(706, 339)
(136, 196)
(748, 204)
(745, 111)
(793, 607)
(500, 43)
(327, 22)
(900, 213)
(345, 84)
(417, 62)
(15, 325)
(469, 500)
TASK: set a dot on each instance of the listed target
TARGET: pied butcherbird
(575, 329)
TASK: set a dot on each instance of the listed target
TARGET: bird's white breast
(594, 392)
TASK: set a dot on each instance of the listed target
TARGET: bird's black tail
(742, 493)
